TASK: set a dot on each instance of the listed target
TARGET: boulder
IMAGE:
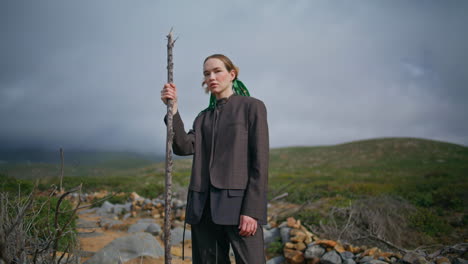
(284, 232)
(271, 235)
(331, 257)
(153, 229)
(176, 235)
(127, 248)
(276, 260)
(314, 251)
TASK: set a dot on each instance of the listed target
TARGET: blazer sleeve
(255, 197)
(183, 143)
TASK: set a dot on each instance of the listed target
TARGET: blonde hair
(227, 63)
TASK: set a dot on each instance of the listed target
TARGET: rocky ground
(131, 233)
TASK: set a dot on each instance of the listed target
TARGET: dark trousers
(210, 243)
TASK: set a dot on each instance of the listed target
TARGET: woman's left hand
(247, 225)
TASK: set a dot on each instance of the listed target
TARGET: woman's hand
(169, 92)
(247, 225)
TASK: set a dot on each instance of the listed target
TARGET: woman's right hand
(169, 92)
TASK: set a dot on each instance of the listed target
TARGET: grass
(431, 175)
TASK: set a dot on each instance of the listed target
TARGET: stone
(107, 207)
(176, 235)
(87, 211)
(127, 248)
(411, 257)
(285, 236)
(289, 245)
(349, 261)
(276, 260)
(346, 255)
(81, 223)
(300, 246)
(138, 227)
(313, 261)
(110, 223)
(89, 234)
(270, 236)
(293, 223)
(297, 236)
(326, 243)
(376, 261)
(442, 260)
(331, 257)
(365, 259)
(314, 251)
(146, 221)
(293, 256)
(153, 229)
(371, 251)
(339, 248)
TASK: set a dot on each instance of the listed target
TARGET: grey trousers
(210, 243)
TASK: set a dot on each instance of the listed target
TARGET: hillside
(426, 178)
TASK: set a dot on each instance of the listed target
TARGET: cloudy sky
(87, 74)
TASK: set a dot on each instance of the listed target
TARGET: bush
(427, 221)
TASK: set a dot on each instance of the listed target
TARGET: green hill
(430, 176)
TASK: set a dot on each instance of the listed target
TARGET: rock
(366, 259)
(442, 260)
(293, 256)
(89, 234)
(339, 248)
(276, 260)
(126, 216)
(293, 223)
(326, 243)
(300, 246)
(107, 207)
(146, 221)
(284, 232)
(371, 251)
(87, 211)
(126, 248)
(81, 223)
(153, 229)
(331, 257)
(346, 255)
(376, 261)
(271, 235)
(414, 258)
(110, 223)
(314, 251)
(297, 235)
(138, 227)
(313, 261)
(349, 261)
(176, 235)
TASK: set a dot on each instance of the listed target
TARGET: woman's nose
(212, 76)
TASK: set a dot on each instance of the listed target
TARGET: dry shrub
(22, 240)
(380, 221)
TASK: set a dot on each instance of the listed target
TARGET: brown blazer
(239, 154)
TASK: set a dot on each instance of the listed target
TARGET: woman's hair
(227, 63)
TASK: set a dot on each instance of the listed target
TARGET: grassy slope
(431, 175)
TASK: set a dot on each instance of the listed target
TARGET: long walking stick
(170, 134)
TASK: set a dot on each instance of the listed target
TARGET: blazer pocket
(235, 192)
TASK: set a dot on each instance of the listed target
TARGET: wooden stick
(170, 134)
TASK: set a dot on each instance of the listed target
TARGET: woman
(226, 203)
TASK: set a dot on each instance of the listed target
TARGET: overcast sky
(88, 74)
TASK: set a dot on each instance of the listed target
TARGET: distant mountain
(122, 159)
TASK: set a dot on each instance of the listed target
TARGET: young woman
(226, 203)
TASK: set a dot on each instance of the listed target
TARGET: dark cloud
(87, 74)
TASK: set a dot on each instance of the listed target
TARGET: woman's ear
(233, 75)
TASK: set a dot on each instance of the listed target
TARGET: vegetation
(428, 176)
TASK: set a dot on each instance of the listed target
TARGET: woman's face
(217, 78)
